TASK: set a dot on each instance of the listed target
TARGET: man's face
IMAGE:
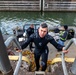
(32, 26)
(42, 32)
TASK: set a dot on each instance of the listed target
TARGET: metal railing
(5, 66)
(18, 64)
(12, 38)
(7, 43)
(73, 40)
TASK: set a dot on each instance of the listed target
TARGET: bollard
(5, 66)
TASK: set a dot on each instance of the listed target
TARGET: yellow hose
(17, 57)
(55, 60)
(29, 58)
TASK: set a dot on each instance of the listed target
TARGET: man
(41, 39)
(63, 35)
(30, 31)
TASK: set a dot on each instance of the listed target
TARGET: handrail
(18, 64)
(12, 39)
(62, 56)
(5, 66)
(7, 43)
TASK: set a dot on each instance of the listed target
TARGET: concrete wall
(59, 5)
(37, 5)
(20, 5)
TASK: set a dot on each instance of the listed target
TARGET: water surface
(9, 20)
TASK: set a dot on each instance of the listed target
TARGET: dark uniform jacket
(41, 43)
(30, 31)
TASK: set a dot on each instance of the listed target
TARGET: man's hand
(18, 50)
(64, 51)
(11, 53)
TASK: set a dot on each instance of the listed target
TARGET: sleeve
(65, 34)
(27, 42)
(27, 30)
(56, 45)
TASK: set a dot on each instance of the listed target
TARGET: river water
(9, 20)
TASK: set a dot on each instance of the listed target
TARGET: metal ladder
(12, 38)
(73, 40)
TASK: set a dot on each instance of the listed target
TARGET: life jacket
(62, 36)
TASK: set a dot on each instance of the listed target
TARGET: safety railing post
(5, 66)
